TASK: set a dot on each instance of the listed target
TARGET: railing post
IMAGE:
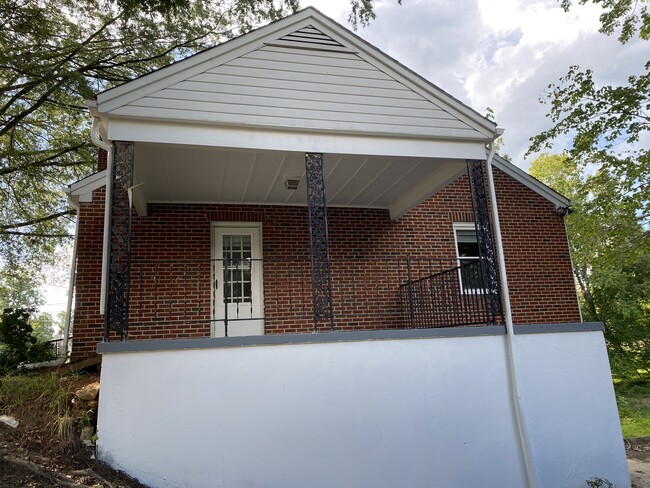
(410, 290)
(119, 242)
(484, 237)
(225, 302)
(319, 251)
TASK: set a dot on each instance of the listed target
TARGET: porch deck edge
(351, 336)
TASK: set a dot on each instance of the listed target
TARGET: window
(471, 274)
(237, 272)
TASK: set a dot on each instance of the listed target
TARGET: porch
(320, 251)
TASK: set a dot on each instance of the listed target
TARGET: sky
(500, 54)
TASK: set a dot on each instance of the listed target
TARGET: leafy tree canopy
(607, 124)
(54, 54)
(610, 250)
(631, 16)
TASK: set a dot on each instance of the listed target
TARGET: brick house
(307, 263)
(213, 180)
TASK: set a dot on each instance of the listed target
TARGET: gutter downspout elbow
(108, 147)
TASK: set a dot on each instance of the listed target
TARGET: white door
(238, 280)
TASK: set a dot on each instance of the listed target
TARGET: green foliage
(55, 54)
(633, 399)
(599, 483)
(24, 390)
(18, 343)
(362, 12)
(606, 123)
(18, 288)
(43, 327)
(610, 249)
(630, 15)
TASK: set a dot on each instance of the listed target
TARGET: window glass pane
(237, 272)
(470, 274)
(467, 244)
(465, 235)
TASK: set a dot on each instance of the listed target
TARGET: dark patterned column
(485, 239)
(321, 281)
(119, 268)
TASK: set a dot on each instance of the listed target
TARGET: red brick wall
(102, 157)
(365, 293)
(88, 323)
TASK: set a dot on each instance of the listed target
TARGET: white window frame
(465, 226)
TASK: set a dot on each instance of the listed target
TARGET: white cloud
(497, 53)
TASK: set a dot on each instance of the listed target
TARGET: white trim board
(82, 190)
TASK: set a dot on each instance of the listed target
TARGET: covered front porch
(212, 242)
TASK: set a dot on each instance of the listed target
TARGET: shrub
(18, 345)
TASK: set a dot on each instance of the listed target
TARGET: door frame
(213, 255)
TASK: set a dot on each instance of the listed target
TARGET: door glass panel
(237, 268)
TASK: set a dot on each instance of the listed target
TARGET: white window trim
(464, 226)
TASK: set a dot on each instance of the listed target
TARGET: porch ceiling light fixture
(292, 182)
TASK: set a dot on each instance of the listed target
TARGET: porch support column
(119, 242)
(319, 250)
(485, 239)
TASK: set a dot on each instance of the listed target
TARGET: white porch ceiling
(173, 173)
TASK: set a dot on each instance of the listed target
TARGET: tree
(54, 54)
(18, 345)
(18, 288)
(610, 250)
(43, 327)
(606, 123)
(631, 16)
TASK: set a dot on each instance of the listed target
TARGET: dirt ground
(20, 467)
(638, 460)
(33, 456)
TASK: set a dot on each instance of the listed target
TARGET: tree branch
(36, 221)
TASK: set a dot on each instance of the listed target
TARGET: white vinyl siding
(291, 87)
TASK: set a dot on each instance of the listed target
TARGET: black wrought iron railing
(58, 347)
(453, 297)
(197, 298)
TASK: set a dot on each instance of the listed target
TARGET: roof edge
(531, 182)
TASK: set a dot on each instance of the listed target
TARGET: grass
(41, 401)
(633, 399)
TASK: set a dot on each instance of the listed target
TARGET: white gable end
(308, 78)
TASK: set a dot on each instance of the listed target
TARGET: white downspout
(515, 396)
(108, 147)
(68, 311)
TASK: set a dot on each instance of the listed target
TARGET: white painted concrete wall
(395, 413)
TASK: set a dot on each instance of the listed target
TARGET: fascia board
(531, 182)
(87, 184)
(193, 65)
